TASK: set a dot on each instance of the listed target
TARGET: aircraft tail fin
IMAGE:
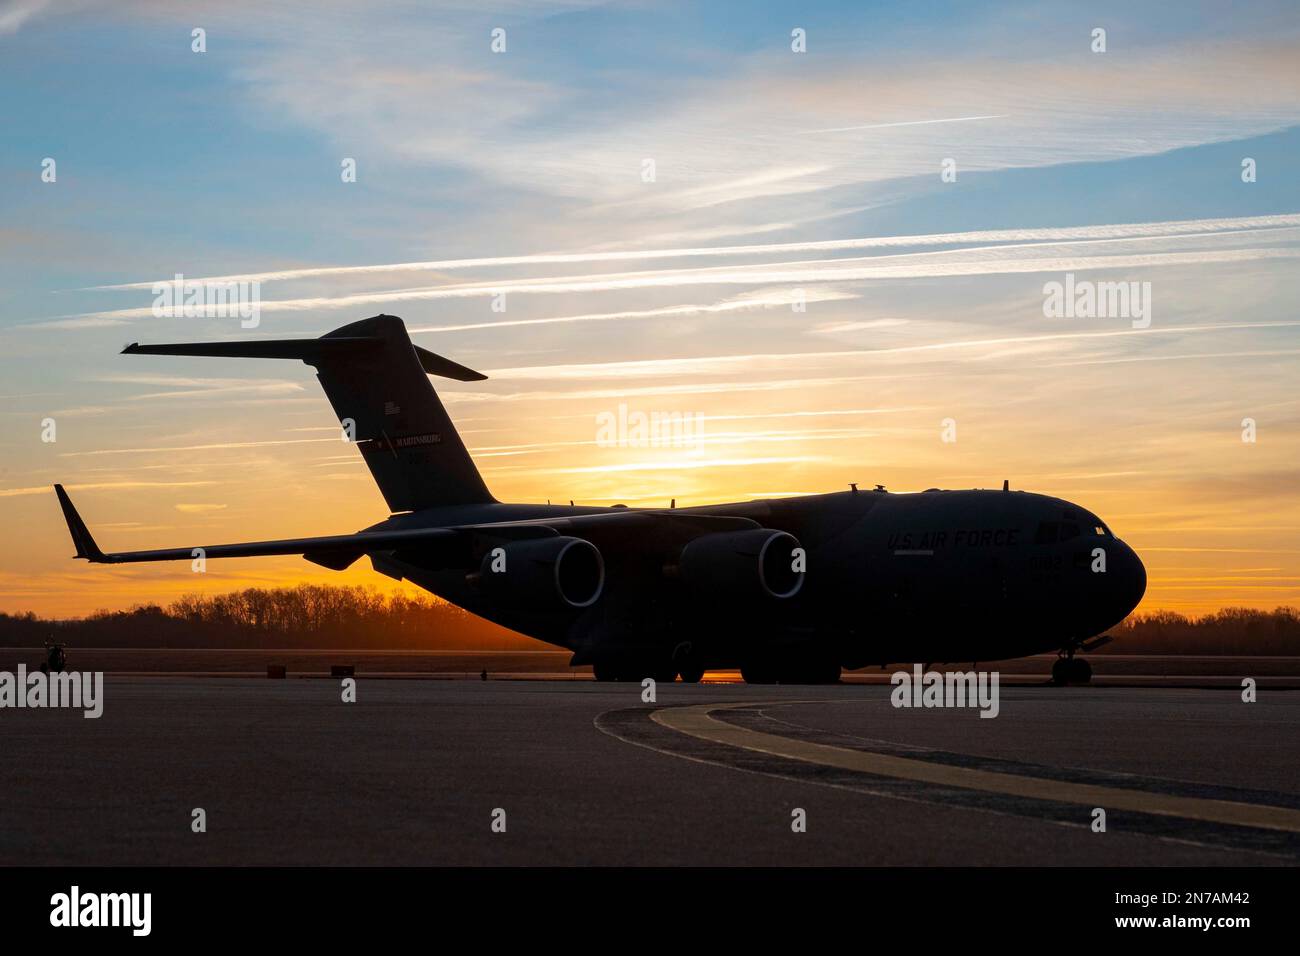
(377, 381)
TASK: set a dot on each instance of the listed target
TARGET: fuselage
(929, 576)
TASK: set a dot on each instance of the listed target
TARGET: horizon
(501, 207)
(170, 606)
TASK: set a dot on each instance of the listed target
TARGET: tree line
(306, 616)
(1230, 631)
(323, 616)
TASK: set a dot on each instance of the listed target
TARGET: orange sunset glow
(1213, 517)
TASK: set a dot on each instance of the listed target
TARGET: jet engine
(741, 564)
(558, 572)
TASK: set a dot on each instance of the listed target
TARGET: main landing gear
(691, 673)
(664, 669)
(753, 672)
(790, 672)
(611, 671)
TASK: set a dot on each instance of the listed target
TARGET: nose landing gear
(1069, 669)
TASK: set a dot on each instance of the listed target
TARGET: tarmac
(572, 772)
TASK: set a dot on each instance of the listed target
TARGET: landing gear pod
(559, 573)
(742, 564)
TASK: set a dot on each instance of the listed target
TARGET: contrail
(953, 119)
(1122, 230)
(737, 304)
(715, 364)
(917, 266)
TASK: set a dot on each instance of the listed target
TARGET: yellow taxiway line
(697, 721)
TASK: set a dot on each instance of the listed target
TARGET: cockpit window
(1051, 532)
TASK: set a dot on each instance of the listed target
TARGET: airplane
(788, 590)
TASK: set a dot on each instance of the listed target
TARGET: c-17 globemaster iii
(787, 590)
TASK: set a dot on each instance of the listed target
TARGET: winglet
(85, 544)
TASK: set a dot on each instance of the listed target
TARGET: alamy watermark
(952, 689)
(209, 299)
(632, 428)
(76, 908)
(73, 689)
(1085, 299)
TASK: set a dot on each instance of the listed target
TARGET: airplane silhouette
(788, 590)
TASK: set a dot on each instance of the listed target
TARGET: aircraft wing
(333, 551)
(613, 531)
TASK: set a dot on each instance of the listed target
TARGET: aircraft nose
(1130, 580)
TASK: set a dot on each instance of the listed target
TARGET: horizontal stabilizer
(311, 351)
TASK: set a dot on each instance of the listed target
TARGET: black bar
(658, 906)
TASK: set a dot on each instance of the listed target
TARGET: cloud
(839, 328)
(221, 446)
(739, 303)
(625, 392)
(929, 122)
(667, 464)
(728, 127)
(15, 13)
(978, 261)
(100, 486)
(1141, 230)
(754, 362)
(191, 387)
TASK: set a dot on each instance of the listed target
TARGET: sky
(823, 234)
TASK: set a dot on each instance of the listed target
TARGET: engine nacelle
(561, 573)
(741, 564)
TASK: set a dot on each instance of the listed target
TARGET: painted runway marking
(1207, 816)
(698, 722)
